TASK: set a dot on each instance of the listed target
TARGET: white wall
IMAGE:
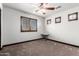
(1, 22)
(11, 27)
(0, 6)
(65, 31)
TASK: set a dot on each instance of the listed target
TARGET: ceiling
(31, 7)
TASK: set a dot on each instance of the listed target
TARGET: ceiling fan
(46, 7)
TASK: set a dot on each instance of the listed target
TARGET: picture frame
(73, 16)
(58, 20)
(49, 21)
(28, 24)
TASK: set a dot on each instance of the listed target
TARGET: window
(28, 24)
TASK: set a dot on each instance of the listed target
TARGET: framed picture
(49, 21)
(73, 16)
(28, 24)
(58, 20)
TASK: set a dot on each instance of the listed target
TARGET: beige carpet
(40, 48)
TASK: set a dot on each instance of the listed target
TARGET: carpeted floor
(40, 48)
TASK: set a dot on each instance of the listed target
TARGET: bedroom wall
(1, 6)
(11, 26)
(0, 22)
(65, 31)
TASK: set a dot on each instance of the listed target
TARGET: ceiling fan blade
(58, 7)
(50, 8)
(41, 4)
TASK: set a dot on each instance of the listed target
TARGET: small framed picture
(73, 16)
(58, 20)
(49, 21)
